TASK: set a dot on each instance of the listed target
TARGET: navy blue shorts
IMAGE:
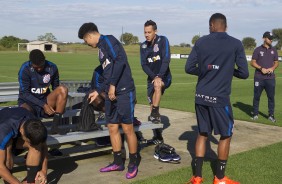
(151, 90)
(121, 110)
(217, 119)
(37, 110)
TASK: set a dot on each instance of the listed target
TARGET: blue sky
(179, 20)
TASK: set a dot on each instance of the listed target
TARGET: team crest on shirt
(261, 53)
(272, 52)
(46, 78)
(156, 48)
(144, 46)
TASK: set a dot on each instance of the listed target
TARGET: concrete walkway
(180, 132)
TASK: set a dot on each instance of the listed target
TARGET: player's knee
(157, 88)
(63, 90)
(128, 130)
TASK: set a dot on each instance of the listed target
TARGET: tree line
(9, 42)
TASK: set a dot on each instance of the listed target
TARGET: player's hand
(112, 91)
(48, 109)
(269, 70)
(41, 177)
(92, 96)
(264, 71)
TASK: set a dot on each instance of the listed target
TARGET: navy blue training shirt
(97, 78)
(213, 60)
(155, 58)
(115, 65)
(35, 86)
(10, 122)
(265, 58)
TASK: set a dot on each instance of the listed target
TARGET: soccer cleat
(195, 180)
(132, 171)
(112, 167)
(164, 157)
(254, 117)
(224, 180)
(271, 118)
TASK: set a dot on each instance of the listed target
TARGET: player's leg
(115, 137)
(258, 88)
(222, 121)
(57, 99)
(204, 128)
(270, 92)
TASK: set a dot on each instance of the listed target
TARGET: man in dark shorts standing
(155, 59)
(265, 61)
(213, 59)
(19, 129)
(35, 78)
(120, 95)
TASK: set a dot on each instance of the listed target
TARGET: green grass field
(78, 64)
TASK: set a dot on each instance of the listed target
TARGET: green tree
(185, 45)
(128, 38)
(249, 43)
(11, 41)
(47, 37)
(195, 38)
(278, 37)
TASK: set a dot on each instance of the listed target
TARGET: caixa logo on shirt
(39, 90)
(213, 67)
(206, 98)
(154, 59)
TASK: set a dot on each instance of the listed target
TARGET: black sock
(133, 158)
(31, 173)
(198, 161)
(118, 158)
(220, 168)
(155, 110)
(57, 118)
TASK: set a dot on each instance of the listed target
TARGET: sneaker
(224, 180)
(164, 157)
(112, 167)
(254, 117)
(132, 171)
(195, 180)
(155, 118)
(175, 157)
(271, 118)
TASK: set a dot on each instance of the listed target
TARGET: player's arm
(56, 79)
(42, 174)
(191, 66)
(144, 64)
(25, 88)
(165, 56)
(242, 71)
(5, 174)
(275, 63)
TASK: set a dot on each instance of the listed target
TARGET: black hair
(87, 28)
(35, 131)
(218, 17)
(151, 23)
(37, 57)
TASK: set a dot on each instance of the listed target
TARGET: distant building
(44, 46)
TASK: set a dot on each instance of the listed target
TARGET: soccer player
(35, 78)
(213, 60)
(265, 61)
(120, 95)
(19, 129)
(155, 59)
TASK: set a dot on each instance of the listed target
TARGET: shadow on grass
(191, 137)
(246, 108)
